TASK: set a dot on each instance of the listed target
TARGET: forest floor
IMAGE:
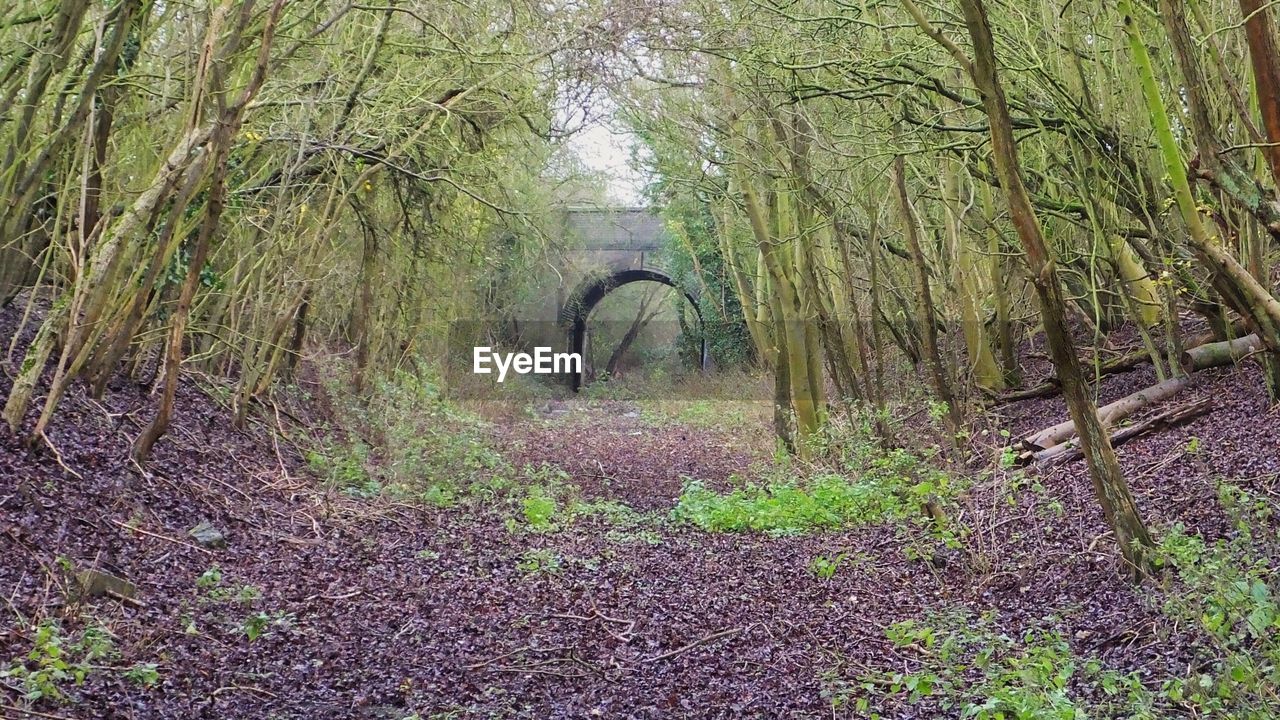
(570, 589)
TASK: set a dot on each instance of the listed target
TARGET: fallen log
(1124, 363)
(1053, 386)
(1070, 450)
(1109, 414)
(1219, 353)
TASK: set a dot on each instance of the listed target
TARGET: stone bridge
(609, 248)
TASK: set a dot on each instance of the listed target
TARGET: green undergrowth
(57, 659)
(545, 501)
(963, 666)
(408, 442)
(704, 414)
(1226, 590)
(727, 400)
(865, 486)
(404, 440)
(1218, 594)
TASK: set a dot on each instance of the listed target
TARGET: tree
(1104, 470)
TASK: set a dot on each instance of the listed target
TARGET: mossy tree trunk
(1112, 491)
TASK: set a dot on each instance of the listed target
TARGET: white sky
(608, 152)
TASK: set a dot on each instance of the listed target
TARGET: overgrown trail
(594, 603)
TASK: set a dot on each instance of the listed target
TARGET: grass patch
(892, 486)
(787, 507)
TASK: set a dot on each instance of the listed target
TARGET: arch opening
(576, 310)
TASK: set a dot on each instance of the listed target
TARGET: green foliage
(145, 674)
(1226, 590)
(963, 666)
(549, 503)
(260, 623)
(707, 414)
(693, 246)
(344, 467)
(405, 440)
(888, 486)
(824, 568)
(625, 536)
(788, 507)
(55, 660)
(540, 561)
(539, 510)
(255, 625)
(210, 578)
(211, 584)
(1008, 457)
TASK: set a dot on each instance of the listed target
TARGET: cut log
(1219, 353)
(1109, 414)
(1052, 386)
(1069, 451)
(1124, 363)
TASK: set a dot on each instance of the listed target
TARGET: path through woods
(940, 256)
(382, 609)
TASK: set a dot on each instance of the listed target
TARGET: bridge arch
(577, 308)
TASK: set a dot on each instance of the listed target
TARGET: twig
(524, 648)
(33, 713)
(710, 638)
(175, 541)
(624, 635)
(58, 456)
(246, 688)
(275, 440)
(492, 660)
(344, 596)
(536, 671)
(402, 631)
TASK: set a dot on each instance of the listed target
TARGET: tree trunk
(1261, 34)
(1232, 280)
(225, 127)
(1113, 493)
(1068, 451)
(925, 309)
(643, 316)
(969, 291)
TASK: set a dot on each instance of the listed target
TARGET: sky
(608, 152)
